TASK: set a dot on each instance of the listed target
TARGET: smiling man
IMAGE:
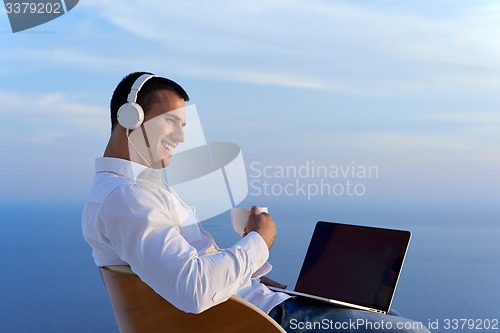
(162, 128)
(134, 218)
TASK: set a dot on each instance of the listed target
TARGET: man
(134, 218)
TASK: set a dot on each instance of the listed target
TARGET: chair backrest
(138, 308)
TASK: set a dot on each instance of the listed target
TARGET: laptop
(352, 266)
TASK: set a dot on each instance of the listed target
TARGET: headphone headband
(136, 87)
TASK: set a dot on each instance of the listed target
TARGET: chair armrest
(138, 308)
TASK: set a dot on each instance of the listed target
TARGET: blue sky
(411, 87)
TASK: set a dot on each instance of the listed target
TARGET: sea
(450, 280)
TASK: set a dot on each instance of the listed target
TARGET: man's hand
(263, 224)
(268, 282)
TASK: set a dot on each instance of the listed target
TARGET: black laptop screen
(353, 264)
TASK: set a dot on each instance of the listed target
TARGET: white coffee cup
(239, 218)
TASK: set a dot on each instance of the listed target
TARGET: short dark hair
(147, 95)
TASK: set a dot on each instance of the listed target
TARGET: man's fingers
(255, 210)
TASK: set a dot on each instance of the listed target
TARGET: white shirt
(131, 219)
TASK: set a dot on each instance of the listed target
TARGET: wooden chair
(138, 309)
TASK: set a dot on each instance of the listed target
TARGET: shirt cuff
(256, 248)
(263, 270)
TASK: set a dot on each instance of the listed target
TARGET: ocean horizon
(51, 284)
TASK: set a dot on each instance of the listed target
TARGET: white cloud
(469, 118)
(336, 46)
(419, 159)
(346, 47)
(49, 141)
(48, 117)
(479, 127)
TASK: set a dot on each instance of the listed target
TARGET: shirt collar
(119, 166)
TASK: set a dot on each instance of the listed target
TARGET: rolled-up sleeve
(138, 227)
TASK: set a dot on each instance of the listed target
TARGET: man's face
(161, 132)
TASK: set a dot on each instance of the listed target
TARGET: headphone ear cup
(130, 115)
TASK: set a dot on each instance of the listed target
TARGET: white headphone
(131, 115)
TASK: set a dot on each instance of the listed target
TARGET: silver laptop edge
(401, 269)
(327, 300)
